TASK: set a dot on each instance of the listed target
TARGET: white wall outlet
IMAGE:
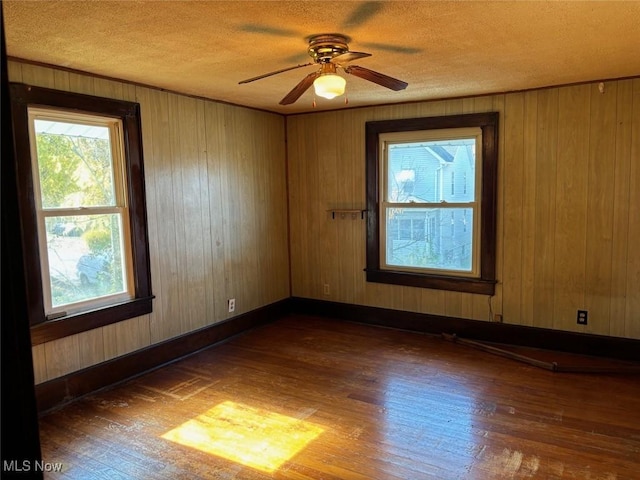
(232, 305)
(326, 290)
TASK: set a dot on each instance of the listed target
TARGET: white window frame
(398, 138)
(119, 208)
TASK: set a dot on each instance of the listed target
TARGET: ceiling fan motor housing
(322, 48)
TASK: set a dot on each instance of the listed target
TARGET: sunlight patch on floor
(254, 437)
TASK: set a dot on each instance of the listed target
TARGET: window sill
(438, 282)
(81, 322)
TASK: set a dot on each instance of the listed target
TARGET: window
(433, 235)
(80, 169)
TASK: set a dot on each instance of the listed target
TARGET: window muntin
(472, 202)
(81, 209)
(432, 157)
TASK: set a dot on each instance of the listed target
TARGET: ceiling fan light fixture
(329, 85)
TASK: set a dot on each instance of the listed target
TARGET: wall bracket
(343, 212)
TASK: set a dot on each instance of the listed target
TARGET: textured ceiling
(442, 49)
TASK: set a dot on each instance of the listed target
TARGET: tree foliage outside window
(82, 205)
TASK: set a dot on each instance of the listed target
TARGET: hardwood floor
(312, 398)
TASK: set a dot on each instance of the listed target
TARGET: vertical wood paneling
(547, 136)
(62, 356)
(529, 172)
(14, 72)
(271, 175)
(327, 194)
(306, 231)
(571, 202)
(168, 298)
(632, 316)
(513, 179)
(229, 209)
(39, 364)
(126, 336)
(601, 182)
(205, 217)
(61, 80)
(81, 83)
(215, 159)
(241, 192)
(346, 197)
(185, 226)
(108, 88)
(91, 345)
(550, 140)
(143, 95)
(298, 192)
(193, 240)
(217, 217)
(36, 75)
(621, 204)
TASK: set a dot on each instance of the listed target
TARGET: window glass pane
(74, 164)
(85, 257)
(435, 238)
(431, 171)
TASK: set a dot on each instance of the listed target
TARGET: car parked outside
(90, 266)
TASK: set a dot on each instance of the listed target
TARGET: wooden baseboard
(571, 342)
(62, 390)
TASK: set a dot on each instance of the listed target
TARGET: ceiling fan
(331, 51)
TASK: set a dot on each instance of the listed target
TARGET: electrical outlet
(232, 305)
(583, 315)
(326, 290)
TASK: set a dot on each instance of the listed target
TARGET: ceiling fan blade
(349, 57)
(274, 73)
(299, 89)
(375, 77)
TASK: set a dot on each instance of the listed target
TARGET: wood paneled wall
(216, 179)
(568, 203)
(217, 210)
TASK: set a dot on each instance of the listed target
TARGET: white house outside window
(431, 156)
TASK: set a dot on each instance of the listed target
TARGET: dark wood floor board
(93, 439)
(383, 404)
